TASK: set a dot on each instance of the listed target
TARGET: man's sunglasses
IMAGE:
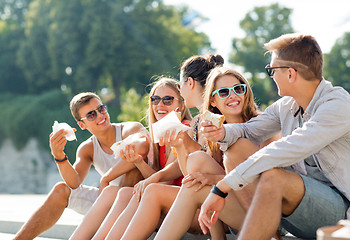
(167, 100)
(270, 70)
(92, 115)
(223, 93)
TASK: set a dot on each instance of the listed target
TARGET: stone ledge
(16, 209)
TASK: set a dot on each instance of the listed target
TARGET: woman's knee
(236, 154)
(110, 190)
(154, 192)
(152, 188)
(231, 159)
(196, 161)
(124, 194)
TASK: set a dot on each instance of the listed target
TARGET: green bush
(133, 107)
(28, 116)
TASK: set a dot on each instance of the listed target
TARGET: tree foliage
(125, 40)
(31, 116)
(51, 50)
(337, 63)
(134, 107)
(260, 25)
(12, 79)
(14, 10)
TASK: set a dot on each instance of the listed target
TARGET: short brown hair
(300, 52)
(80, 100)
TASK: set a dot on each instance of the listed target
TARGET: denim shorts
(321, 206)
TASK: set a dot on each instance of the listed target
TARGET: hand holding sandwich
(211, 126)
(212, 133)
(57, 144)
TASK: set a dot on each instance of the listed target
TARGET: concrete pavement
(15, 209)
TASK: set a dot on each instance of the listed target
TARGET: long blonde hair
(185, 113)
(249, 109)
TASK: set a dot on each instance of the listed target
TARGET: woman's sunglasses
(92, 115)
(223, 93)
(167, 100)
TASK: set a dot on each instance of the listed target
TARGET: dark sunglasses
(270, 70)
(223, 93)
(167, 100)
(92, 115)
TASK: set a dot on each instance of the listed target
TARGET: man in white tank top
(92, 115)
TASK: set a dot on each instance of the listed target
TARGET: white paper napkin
(58, 126)
(167, 123)
(343, 232)
(121, 145)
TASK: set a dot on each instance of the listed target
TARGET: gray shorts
(321, 206)
(82, 198)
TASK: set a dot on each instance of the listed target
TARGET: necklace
(195, 134)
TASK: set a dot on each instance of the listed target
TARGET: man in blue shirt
(302, 180)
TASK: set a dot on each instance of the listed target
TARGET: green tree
(123, 42)
(33, 57)
(152, 42)
(14, 10)
(12, 15)
(133, 107)
(337, 62)
(12, 79)
(260, 25)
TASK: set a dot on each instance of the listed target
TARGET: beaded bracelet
(218, 192)
(61, 161)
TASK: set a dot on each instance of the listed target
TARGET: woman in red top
(164, 98)
(158, 198)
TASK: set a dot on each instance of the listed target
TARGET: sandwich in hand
(216, 119)
(70, 131)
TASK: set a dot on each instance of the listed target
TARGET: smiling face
(160, 110)
(101, 121)
(232, 106)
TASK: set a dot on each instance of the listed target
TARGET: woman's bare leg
(201, 162)
(96, 214)
(122, 222)
(182, 214)
(119, 205)
(234, 156)
(184, 209)
(157, 199)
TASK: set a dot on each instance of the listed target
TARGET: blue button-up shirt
(322, 131)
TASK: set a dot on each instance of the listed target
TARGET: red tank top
(162, 161)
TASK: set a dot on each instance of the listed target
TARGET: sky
(326, 20)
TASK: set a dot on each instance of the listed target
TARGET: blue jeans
(321, 206)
